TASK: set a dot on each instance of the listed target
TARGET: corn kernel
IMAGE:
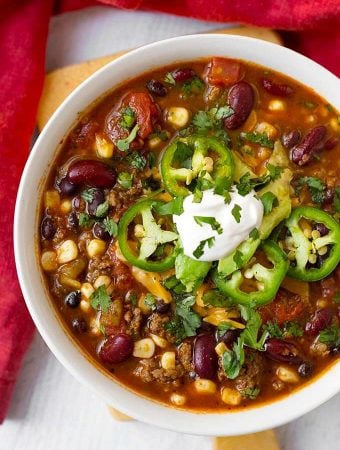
(49, 261)
(265, 127)
(66, 206)
(177, 399)
(168, 360)
(276, 105)
(104, 147)
(287, 375)
(221, 348)
(154, 142)
(178, 116)
(310, 119)
(85, 306)
(321, 303)
(208, 164)
(144, 348)
(69, 282)
(106, 281)
(159, 341)
(204, 386)
(94, 327)
(67, 251)
(139, 231)
(52, 200)
(96, 247)
(86, 290)
(231, 396)
(334, 123)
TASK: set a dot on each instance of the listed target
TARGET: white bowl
(25, 233)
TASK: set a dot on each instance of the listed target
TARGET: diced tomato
(285, 307)
(146, 111)
(223, 72)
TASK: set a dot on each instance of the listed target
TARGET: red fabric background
(23, 32)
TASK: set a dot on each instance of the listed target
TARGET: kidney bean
(180, 75)
(306, 369)
(318, 322)
(241, 100)
(93, 173)
(72, 300)
(301, 153)
(162, 307)
(98, 198)
(322, 229)
(291, 138)
(205, 357)
(281, 90)
(116, 349)
(48, 228)
(65, 187)
(99, 232)
(72, 220)
(79, 325)
(156, 88)
(282, 351)
(228, 337)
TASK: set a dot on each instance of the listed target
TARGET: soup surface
(190, 236)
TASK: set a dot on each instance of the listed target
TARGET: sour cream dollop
(234, 220)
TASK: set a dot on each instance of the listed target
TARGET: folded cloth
(23, 32)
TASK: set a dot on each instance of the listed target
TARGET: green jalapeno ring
(304, 247)
(154, 237)
(270, 277)
(223, 168)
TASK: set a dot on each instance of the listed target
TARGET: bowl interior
(25, 229)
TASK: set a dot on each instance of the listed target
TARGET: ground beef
(156, 325)
(61, 230)
(98, 265)
(150, 370)
(251, 372)
(185, 356)
(120, 199)
(120, 272)
(133, 318)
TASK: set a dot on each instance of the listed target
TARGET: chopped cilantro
(192, 86)
(292, 329)
(273, 329)
(269, 201)
(88, 195)
(170, 79)
(238, 259)
(233, 360)
(128, 118)
(315, 186)
(208, 120)
(251, 332)
(258, 138)
(124, 144)
(236, 212)
(150, 301)
(110, 226)
(132, 298)
(251, 393)
(85, 221)
(102, 209)
(136, 160)
(175, 206)
(254, 234)
(246, 183)
(274, 172)
(173, 284)
(336, 200)
(200, 220)
(330, 336)
(100, 299)
(182, 155)
(214, 297)
(125, 179)
(199, 251)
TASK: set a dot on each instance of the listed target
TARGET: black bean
(65, 187)
(98, 198)
(72, 300)
(328, 196)
(228, 337)
(99, 232)
(162, 307)
(306, 369)
(79, 325)
(291, 138)
(72, 220)
(157, 88)
(48, 228)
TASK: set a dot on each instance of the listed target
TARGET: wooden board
(61, 82)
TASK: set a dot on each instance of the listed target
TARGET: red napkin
(23, 32)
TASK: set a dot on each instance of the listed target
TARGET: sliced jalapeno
(150, 238)
(269, 278)
(313, 247)
(189, 160)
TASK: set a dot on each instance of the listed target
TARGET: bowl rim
(45, 316)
